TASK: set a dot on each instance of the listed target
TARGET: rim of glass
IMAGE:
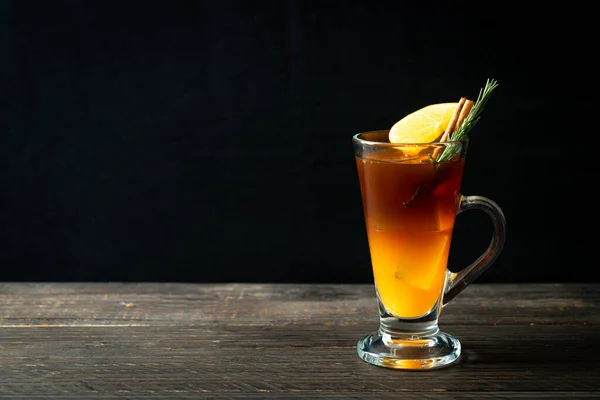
(387, 144)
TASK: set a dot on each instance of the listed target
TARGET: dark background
(211, 140)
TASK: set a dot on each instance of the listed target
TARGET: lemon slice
(424, 125)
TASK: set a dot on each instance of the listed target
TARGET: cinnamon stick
(464, 112)
(458, 117)
(453, 120)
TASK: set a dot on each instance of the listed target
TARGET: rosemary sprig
(451, 149)
(469, 122)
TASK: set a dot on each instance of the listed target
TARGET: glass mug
(410, 204)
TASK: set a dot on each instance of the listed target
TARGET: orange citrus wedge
(424, 125)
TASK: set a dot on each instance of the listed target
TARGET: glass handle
(458, 281)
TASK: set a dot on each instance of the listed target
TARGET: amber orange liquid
(409, 244)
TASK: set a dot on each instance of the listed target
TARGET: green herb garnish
(451, 149)
(470, 121)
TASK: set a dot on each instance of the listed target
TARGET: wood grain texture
(243, 341)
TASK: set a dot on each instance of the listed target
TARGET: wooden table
(277, 341)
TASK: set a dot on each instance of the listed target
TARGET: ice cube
(419, 265)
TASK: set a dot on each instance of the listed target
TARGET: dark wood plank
(236, 341)
(280, 304)
(314, 395)
(280, 359)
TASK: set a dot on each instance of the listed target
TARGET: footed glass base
(415, 353)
